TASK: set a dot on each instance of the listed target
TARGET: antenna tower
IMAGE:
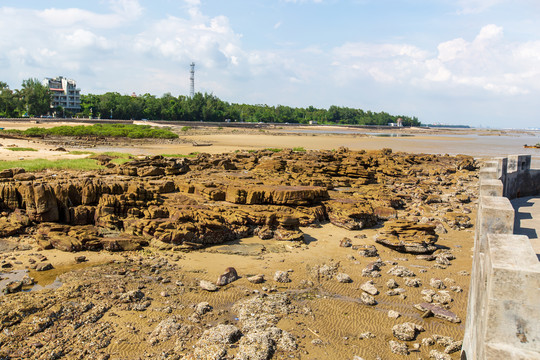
(192, 80)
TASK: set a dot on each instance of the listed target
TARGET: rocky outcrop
(408, 237)
(210, 199)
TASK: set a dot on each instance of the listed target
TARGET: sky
(470, 62)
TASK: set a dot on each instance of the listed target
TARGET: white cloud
(128, 9)
(208, 41)
(303, 1)
(488, 63)
(468, 7)
(80, 39)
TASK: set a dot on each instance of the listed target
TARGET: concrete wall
(503, 316)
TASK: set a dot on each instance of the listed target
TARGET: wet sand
(477, 143)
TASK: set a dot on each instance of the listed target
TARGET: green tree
(8, 101)
(36, 98)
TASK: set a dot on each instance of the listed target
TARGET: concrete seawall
(503, 316)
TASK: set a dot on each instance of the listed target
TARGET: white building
(64, 93)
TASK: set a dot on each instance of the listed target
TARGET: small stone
(453, 347)
(406, 331)
(368, 251)
(282, 277)
(437, 283)
(369, 288)
(80, 259)
(227, 277)
(391, 284)
(345, 242)
(437, 355)
(398, 348)
(442, 297)
(368, 299)
(207, 285)
(256, 279)
(393, 314)
(413, 282)
(438, 312)
(401, 271)
(202, 308)
(44, 266)
(343, 278)
(428, 295)
(396, 291)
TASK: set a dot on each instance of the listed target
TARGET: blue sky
(473, 62)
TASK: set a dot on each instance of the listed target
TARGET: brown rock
(227, 277)
(438, 312)
(43, 266)
(408, 237)
(256, 279)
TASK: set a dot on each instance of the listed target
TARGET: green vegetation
(273, 149)
(117, 154)
(88, 163)
(21, 149)
(42, 164)
(299, 149)
(190, 155)
(186, 128)
(101, 130)
(34, 99)
(78, 152)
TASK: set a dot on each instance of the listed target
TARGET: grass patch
(79, 152)
(120, 161)
(42, 164)
(186, 128)
(190, 155)
(273, 149)
(21, 149)
(299, 149)
(116, 154)
(100, 130)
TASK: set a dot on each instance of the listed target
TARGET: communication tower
(192, 80)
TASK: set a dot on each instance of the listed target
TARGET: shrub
(21, 149)
(102, 130)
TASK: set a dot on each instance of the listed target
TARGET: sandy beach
(478, 143)
(327, 318)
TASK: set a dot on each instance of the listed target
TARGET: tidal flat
(254, 253)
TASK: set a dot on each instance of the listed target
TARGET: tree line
(33, 99)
